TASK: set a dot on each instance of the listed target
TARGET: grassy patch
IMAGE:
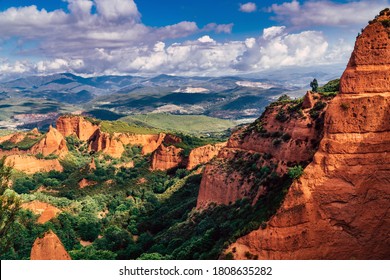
(123, 127)
(189, 124)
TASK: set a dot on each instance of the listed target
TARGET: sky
(177, 37)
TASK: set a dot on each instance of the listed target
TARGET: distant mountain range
(112, 97)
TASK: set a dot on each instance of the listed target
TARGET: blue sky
(179, 37)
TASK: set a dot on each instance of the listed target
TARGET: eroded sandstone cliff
(286, 135)
(52, 143)
(165, 158)
(203, 154)
(339, 208)
(49, 247)
(76, 125)
(31, 165)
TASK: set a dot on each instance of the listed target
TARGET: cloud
(271, 32)
(112, 24)
(117, 10)
(249, 7)
(218, 28)
(206, 39)
(277, 48)
(327, 13)
(96, 38)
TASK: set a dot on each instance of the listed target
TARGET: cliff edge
(339, 207)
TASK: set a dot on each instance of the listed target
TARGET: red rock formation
(49, 247)
(45, 211)
(52, 143)
(76, 125)
(110, 145)
(165, 158)
(31, 165)
(368, 67)
(308, 100)
(16, 137)
(279, 143)
(35, 131)
(203, 154)
(149, 142)
(339, 208)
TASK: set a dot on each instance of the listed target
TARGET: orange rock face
(203, 154)
(368, 70)
(339, 208)
(53, 143)
(276, 143)
(76, 125)
(45, 211)
(31, 165)
(49, 247)
(165, 158)
(110, 145)
(86, 183)
(149, 142)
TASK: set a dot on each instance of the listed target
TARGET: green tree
(9, 207)
(295, 172)
(314, 85)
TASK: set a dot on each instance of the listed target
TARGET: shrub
(281, 116)
(286, 137)
(314, 85)
(276, 142)
(295, 172)
(344, 106)
(385, 23)
(229, 256)
(331, 86)
(284, 98)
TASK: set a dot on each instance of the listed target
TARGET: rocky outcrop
(107, 144)
(49, 247)
(203, 154)
(86, 183)
(76, 125)
(149, 142)
(339, 208)
(45, 211)
(308, 100)
(165, 158)
(286, 135)
(52, 143)
(13, 138)
(100, 141)
(92, 165)
(31, 165)
(368, 67)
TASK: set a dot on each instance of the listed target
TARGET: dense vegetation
(130, 213)
(331, 88)
(136, 213)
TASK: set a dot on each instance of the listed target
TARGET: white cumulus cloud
(327, 13)
(271, 32)
(249, 7)
(108, 37)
